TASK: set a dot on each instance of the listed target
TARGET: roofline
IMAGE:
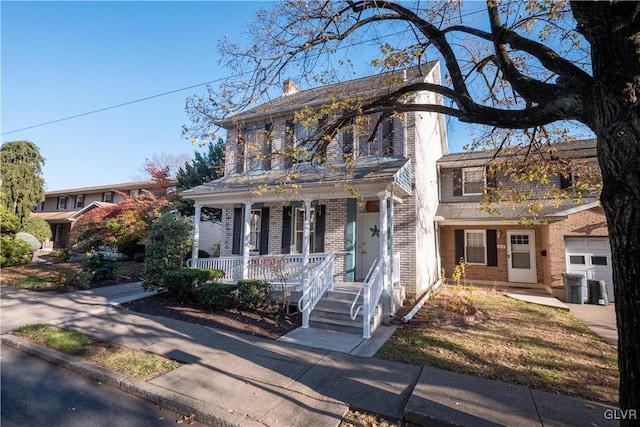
(108, 187)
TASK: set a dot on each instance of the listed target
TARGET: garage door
(591, 257)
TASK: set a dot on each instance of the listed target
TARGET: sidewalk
(238, 380)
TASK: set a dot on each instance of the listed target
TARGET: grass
(134, 363)
(48, 276)
(520, 343)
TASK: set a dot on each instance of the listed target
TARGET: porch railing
(371, 290)
(319, 281)
(226, 264)
(262, 267)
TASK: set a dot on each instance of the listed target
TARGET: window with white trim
(106, 197)
(475, 247)
(257, 146)
(298, 230)
(382, 142)
(255, 221)
(79, 201)
(473, 181)
(62, 203)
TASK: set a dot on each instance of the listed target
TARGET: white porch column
(306, 232)
(246, 229)
(196, 234)
(384, 242)
(306, 237)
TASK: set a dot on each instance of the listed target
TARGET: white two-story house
(354, 223)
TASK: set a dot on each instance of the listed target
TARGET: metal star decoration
(375, 231)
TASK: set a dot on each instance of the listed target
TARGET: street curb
(167, 399)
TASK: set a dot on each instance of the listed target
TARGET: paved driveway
(601, 319)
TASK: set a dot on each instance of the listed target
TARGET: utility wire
(135, 101)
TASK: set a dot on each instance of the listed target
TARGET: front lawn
(521, 343)
(59, 277)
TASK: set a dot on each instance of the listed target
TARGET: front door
(368, 248)
(521, 256)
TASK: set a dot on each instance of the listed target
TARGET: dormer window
(473, 181)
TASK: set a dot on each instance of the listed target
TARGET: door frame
(361, 270)
(519, 275)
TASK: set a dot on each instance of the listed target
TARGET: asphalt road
(36, 393)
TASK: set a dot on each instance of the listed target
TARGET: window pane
(475, 247)
(577, 259)
(254, 227)
(599, 260)
(520, 260)
(473, 180)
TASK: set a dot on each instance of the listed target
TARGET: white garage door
(591, 257)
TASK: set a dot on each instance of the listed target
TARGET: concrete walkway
(238, 380)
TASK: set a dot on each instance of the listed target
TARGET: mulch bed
(258, 323)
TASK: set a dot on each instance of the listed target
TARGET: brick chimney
(289, 87)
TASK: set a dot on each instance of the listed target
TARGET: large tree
(205, 167)
(525, 65)
(22, 181)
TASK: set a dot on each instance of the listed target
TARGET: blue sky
(61, 59)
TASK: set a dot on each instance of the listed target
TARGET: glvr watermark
(620, 414)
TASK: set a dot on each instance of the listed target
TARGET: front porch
(354, 307)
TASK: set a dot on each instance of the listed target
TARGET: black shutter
(237, 230)
(319, 234)
(240, 152)
(492, 248)
(289, 142)
(565, 181)
(457, 182)
(264, 232)
(266, 164)
(459, 243)
(286, 229)
(492, 181)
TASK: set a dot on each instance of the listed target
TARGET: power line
(135, 101)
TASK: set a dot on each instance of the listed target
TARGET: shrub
(101, 266)
(131, 248)
(254, 293)
(203, 254)
(14, 252)
(169, 240)
(215, 296)
(37, 227)
(61, 255)
(31, 240)
(9, 223)
(139, 257)
(181, 283)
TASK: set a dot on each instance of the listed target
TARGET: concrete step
(340, 319)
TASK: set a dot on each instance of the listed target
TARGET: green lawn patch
(134, 363)
(520, 343)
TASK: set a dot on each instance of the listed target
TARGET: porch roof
(57, 217)
(471, 212)
(368, 177)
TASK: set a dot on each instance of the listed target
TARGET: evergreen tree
(22, 181)
(203, 168)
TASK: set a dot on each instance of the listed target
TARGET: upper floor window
(303, 144)
(79, 201)
(374, 141)
(62, 203)
(254, 148)
(107, 197)
(473, 181)
(134, 193)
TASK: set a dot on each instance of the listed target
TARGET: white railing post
(196, 234)
(384, 242)
(306, 235)
(245, 240)
(366, 315)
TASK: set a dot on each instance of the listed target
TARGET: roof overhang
(89, 207)
(365, 179)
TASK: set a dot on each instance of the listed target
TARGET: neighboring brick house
(61, 207)
(369, 207)
(570, 237)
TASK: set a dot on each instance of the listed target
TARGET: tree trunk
(613, 31)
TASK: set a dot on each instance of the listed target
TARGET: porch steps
(333, 312)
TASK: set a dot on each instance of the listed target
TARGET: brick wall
(590, 222)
